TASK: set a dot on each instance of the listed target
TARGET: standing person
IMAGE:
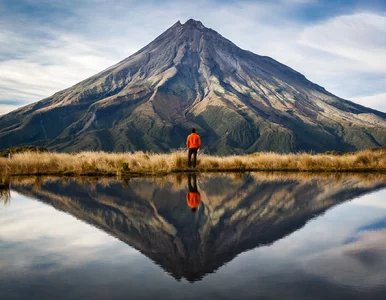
(193, 142)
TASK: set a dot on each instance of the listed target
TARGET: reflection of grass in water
(5, 194)
(178, 181)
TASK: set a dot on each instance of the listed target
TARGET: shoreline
(198, 171)
(141, 164)
(180, 177)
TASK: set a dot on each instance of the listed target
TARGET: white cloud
(345, 54)
(378, 101)
(5, 108)
(63, 62)
(359, 37)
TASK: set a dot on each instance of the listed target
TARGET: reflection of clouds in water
(361, 263)
(374, 226)
(360, 258)
(334, 246)
(377, 199)
(36, 257)
(39, 241)
(37, 237)
(334, 227)
(32, 220)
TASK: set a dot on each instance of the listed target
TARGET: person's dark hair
(194, 209)
(193, 130)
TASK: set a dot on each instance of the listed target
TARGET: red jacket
(193, 199)
(193, 141)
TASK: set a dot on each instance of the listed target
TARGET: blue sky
(49, 45)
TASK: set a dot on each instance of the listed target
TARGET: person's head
(193, 130)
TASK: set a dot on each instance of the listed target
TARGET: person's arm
(187, 142)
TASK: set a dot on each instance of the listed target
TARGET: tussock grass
(21, 149)
(140, 163)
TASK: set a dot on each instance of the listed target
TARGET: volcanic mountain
(191, 76)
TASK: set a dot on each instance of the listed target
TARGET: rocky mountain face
(191, 76)
(234, 215)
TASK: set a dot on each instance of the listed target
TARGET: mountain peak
(194, 23)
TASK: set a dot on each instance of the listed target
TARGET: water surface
(232, 236)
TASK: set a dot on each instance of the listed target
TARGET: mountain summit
(191, 76)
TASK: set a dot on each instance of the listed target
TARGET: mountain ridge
(191, 76)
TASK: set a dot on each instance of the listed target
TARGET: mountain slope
(192, 76)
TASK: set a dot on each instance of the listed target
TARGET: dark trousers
(192, 151)
(192, 185)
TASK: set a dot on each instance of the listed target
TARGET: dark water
(251, 236)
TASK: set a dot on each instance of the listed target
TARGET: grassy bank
(139, 163)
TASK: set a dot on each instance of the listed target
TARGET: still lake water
(268, 236)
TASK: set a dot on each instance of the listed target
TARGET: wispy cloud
(359, 37)
(378, 101)
(5, 108)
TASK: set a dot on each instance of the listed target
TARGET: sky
(50, 45)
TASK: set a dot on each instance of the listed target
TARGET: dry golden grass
(140, 163)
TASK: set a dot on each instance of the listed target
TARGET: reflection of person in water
(193, 197)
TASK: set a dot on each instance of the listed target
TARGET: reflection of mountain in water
(234, 215)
